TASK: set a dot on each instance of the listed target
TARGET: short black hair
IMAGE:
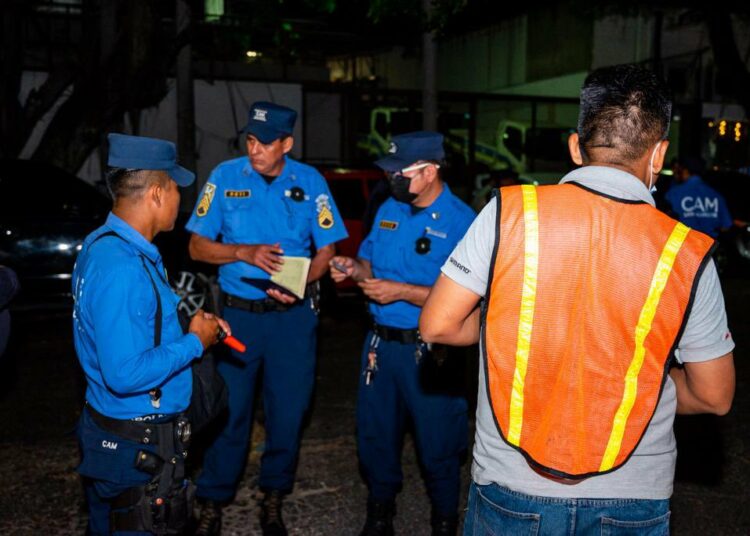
(626, 108)
(123, 182)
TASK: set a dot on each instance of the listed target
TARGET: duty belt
(147, 433)
(267, 305)
(404, 336)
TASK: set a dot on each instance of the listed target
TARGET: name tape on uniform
(388, 225)
(237, 193)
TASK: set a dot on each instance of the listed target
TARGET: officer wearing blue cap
(694, 202)
(398, 262)
(136, 358)
(254, 211)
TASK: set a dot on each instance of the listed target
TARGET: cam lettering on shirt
(111, 445)
(708, 206)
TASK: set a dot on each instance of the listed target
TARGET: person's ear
(431, 173)
(574, 147)
(156, 191)
(660, 153)
(287, 144)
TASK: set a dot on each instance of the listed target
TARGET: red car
(358, 194)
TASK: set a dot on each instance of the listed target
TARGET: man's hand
(206, 327)
(382, 291)
(341, 268)
(265, 256)
(283, 297)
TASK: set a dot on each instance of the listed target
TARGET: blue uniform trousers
(282, 345)
(402, 387)
(108, 468)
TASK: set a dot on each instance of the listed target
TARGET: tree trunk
(429, 61)
(125, 71)
(732, 75)
(185, 105)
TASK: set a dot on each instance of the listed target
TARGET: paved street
(41, 391)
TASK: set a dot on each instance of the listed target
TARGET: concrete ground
(41, 390)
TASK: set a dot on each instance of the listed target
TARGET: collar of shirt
(439, 206)
(693, 179)
(248, 170)
(610, 181)
(134, 238)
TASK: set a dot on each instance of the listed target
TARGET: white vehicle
(505, 150)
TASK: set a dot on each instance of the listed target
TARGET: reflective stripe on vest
(586, 303)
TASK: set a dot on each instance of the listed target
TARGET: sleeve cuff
(707, 353)
(459, 277)
(193, 345)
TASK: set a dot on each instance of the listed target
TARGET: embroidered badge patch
(260, 115)
(325, 216)
(206, 200)
(237, 193)
(388, 225)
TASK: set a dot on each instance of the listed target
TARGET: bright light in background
(253, 54)
(722, 128)
(737, 131)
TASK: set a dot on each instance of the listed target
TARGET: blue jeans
(495, 510)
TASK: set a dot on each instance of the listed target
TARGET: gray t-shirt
(649, 473)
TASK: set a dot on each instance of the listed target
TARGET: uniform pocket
(493, 520)
(658, 526)
(100, 465)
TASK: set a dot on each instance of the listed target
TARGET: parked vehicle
(358, 194)
(46, 213)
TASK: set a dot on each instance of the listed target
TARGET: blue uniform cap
(412, 147)
(139, 152)
(268, 121)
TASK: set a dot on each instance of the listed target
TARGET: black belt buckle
(183, 430)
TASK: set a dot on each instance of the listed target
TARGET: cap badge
(260, 115)
(393, 149)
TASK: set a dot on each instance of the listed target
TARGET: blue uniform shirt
(239, 205)
(699, 206)
(391, 249)
(113, 327)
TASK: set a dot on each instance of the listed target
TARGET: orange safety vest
(587, 301)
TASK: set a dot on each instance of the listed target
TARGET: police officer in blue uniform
(254, 211)
(694, 202)
(413, 234)
(136, 358)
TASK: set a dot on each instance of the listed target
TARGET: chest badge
(325, 214)
(206, 200)
(296, 194)
(423, 245)
(388, 225)
(237, 194)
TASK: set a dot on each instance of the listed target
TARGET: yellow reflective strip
(526, 317)
(645, 321)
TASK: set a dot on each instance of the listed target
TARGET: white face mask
(651, 179)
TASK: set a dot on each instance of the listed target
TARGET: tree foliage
(120, 67)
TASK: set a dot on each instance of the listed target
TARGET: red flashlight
(230, 341)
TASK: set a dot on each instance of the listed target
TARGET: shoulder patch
(325, 215)
(206, 200)
(237, 193)
(388, 225)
